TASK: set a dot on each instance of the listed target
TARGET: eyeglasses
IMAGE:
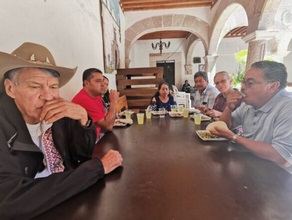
(250, 83)
(222, 82)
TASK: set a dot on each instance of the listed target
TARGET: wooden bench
(122, 104)
(139, 85)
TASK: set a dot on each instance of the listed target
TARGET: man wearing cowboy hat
(45, 141)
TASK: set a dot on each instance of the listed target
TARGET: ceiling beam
(138, 5)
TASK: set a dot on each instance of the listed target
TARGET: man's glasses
(222, 82)
(251, 83)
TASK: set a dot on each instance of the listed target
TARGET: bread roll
(220, 124)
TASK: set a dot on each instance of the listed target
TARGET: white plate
(175, 114)
(122, 122)
(206, 136)
(123, 113)
(158, 113)
(119, 124)
(203, 118)
(125, 120)
(194, 110)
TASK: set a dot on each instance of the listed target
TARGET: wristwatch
(88, 123)
(233, 139)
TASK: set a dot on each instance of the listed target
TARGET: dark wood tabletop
(169, 173)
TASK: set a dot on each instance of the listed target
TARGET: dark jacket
(22, 196)
(186, 88)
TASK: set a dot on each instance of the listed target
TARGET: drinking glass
(161, 112)
(186, 113)
(140, 118)
(128, 114)
(148, 113)
(197, 119)
(173, 108)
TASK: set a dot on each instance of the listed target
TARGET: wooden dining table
(169, 173)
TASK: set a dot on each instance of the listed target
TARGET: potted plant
(240, 58)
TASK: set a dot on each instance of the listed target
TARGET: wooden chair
(122, 105)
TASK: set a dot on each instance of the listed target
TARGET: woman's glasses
(222, 82)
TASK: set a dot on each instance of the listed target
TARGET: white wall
(71, 30)
(141, 49)
(288, 63)
(226, 50)
(199, 51)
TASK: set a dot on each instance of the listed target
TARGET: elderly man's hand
(56, 109)
(202, 108)
(213, 113)
(233, 98)
(222, 132)
(111, 160)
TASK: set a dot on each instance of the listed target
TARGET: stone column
(257, 46)
(127, 62)
(210, 61)
(188, 69)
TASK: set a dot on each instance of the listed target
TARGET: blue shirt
(272, 123)
(159, 104)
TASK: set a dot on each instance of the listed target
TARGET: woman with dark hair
(105, 96)
(162, 98)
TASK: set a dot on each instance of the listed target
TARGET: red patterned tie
(53, 157)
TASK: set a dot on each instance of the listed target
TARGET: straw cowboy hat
(33, 55)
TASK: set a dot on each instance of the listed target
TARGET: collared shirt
(208, 96)
(221, 102)
(270, 124)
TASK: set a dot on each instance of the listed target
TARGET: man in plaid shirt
(206, 93)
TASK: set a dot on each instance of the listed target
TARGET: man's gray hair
(273, 72)
(13, 74)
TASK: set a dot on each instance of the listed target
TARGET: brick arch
(250, 10)
(188, 23)
(261, 14)
(271, 20)
(218, 30)
(268, 13)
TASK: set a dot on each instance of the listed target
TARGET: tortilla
(220, 124)
(126, 121)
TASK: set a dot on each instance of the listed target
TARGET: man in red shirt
(90, 97)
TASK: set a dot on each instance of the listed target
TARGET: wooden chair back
(122, 103)
(139, 85)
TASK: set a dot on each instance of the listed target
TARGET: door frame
(163, 63)
(178, 65)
